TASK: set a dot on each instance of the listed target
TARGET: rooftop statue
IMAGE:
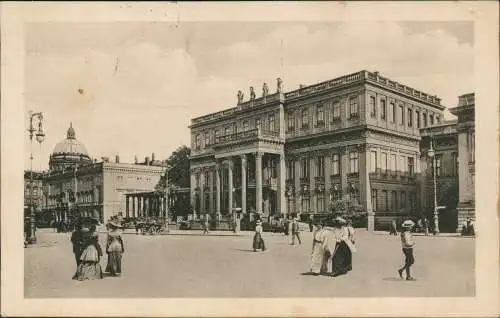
(240, 97)
(265, 90)
(252, 93)
(279, 82)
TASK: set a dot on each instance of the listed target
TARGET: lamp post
(40, 136)
(166, 199)
(431, 153)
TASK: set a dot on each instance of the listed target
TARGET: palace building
(296, 152)
(76, 185)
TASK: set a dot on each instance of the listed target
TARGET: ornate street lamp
(40, 137)
(431, 153)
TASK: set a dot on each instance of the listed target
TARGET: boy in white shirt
(407, 244)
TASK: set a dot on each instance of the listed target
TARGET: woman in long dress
(258, 241)
(318, 263)
(114, 249)
(342, 249)
(89, 268)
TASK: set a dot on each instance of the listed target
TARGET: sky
(131, 88)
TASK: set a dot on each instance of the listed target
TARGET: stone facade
(296, 152)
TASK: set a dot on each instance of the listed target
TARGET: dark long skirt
(258, 242)
(88, 271)
(341, 260)
(114, 266)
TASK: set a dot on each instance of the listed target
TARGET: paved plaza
(225, 266)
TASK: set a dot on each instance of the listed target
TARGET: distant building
(76, 185)
(296, 152)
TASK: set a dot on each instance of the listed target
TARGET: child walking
(407, 243)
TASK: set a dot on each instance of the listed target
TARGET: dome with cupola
(69, 152)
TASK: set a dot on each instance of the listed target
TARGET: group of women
(332, 249)
(88, 252)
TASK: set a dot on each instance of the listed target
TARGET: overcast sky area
(132, 88)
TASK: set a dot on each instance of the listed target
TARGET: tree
(178, 175)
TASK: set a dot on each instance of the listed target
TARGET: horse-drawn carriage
(150, 227)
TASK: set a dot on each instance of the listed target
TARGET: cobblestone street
(225, 266)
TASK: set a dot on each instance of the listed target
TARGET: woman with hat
(114, 249)
(407, 243)
(89, 267)
(341, 249)
(258, 241)
(318, 263)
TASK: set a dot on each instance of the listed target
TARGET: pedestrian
(420, 225)
(89, 268)
(76, 241)
(295, 231)
(205, 225)
(341, 249)
(426, 226)
(311, 225)
(114, 249)
(350, 231)
(258, 241)
(318, 260)
(407, 244)
(394, 229)
(286, 226)
(470, 227)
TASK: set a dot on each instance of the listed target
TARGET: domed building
(68, 153)
(78, 186)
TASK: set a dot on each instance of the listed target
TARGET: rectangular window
(455, 164)
(383, 162)
(335, 165)
(207, 138)
(373, 161)
(353, 162)
(291, 121)
(417, 115)
(402, 164)
(198, 141)
(305, 204)
(392, 112)
(207, 180)
(272, 126)
(320, 115)
(320, 172)
(320, 202)
(257, 123)
(402, 202)
(424, 117)
(431, 120)
(216, 135)
(305, 118)
(336, 192)
(385, 200)
(410, 117)
(304, 168)
(374, 199)
(411, 166)
(438, 120)
(227, 131)
(373, 107)
(336, 111)
(383, 109)
(393, 164)
(401, 115)
(353, 107)
(394, 201)
(245, 125)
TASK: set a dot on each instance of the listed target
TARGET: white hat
(408, 223)
(340, 220)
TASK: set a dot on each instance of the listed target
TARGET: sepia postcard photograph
(250, 159)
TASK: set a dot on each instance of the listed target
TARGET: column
(258, 182)
(202, 193)
(328, 171)
(127, 199)
(298, 195)
(312, 184)
(211, 207)
(282, 185)
(230, 184)
(344, 168)
(217, 194)
(365, 189)
(243, 184)
(193, 192)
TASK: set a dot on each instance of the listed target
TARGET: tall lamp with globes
(40, 137)
(432, 155)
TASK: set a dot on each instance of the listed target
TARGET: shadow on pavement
(393, 279)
